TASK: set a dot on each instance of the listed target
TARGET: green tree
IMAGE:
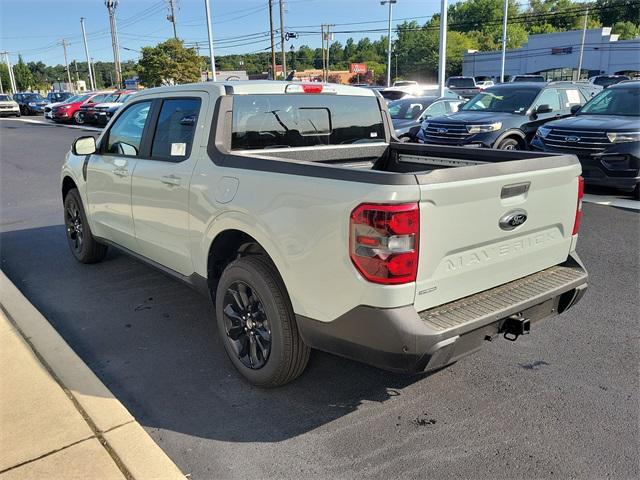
(626, 30)
(4, 77)
(22, 74)
(613, 11)
(169, 62)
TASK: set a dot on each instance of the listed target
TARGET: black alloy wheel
(74, 224)
(246, 325)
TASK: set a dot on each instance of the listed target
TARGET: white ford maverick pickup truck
(310, 226)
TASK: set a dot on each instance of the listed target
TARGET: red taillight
(383, 242)
(311, 88)
(576, 222)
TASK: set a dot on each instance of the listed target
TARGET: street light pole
(504, 40)
(284, 54)
(66, 62)
(209, 31)
(444, 5)
(584, 33)
(390, 3)
(12, 78)
(92, 83)
(273, 42)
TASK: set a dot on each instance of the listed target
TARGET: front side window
(408, 109)
(176, 128)
(295, 120)
(125, 135)
(502, 99)
(550, 96)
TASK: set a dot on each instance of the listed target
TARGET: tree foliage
(169, 62)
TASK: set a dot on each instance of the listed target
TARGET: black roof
(517, 85)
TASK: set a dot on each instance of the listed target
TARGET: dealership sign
(357, 68)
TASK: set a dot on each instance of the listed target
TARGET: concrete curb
(125, 439)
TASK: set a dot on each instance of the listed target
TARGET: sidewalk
(57, 420)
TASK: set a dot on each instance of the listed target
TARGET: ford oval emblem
(443, 130)
(512, 219)
(572, 139)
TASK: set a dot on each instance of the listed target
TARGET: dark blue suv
(605, 136)
(506, 116)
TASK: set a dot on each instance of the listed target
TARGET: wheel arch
(230, 244)
(513, 133)
(68, 183)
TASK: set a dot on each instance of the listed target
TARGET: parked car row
(88, 108)
(599, 126)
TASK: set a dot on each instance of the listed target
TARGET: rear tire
(636, 192)
(257, 325)
(77, 118)
(509, 144)
(83, 246)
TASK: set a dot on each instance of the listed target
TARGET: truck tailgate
(463, 248)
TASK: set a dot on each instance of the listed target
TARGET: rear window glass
(295, 120)
(461, 82)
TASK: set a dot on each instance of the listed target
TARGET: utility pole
(111, 6)
(273, 42)
(442, 64)
(284, 53)
(212, 56)
(390, 3)
(64, 44)
(584, 34)
(92, 83)
(172, 17)
(12, 78)
(504, 40)
(324, 64)
(329, 39)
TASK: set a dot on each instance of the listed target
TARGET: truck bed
(425, 163)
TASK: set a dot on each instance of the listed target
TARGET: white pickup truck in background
(310, 226)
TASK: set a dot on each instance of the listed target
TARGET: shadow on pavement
(153, 342)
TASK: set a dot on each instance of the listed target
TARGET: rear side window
(573, 97)
(176, 128)
(295, 120)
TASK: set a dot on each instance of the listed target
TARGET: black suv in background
(506, 116)
(605, 135)
(607, 80)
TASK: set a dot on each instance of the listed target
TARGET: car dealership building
(556, 56)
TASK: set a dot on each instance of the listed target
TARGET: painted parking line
(53, 124)
(612, 201)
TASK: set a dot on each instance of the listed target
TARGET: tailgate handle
(515, 189)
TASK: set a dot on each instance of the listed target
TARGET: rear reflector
(383, 242)
(576, 222)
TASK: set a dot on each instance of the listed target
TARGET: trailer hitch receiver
(515, 326)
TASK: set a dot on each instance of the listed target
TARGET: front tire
(509, 144)
(83, 246)
(257, 325)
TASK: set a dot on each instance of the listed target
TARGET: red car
(70, 111)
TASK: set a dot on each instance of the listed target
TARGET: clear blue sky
(33, 27)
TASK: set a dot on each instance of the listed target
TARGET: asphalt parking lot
(562, 402)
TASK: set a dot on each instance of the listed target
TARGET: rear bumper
(403, 340)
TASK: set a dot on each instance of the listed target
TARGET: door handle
(171, 180)
(121, 172)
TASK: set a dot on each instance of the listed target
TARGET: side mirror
(84, 146)
(544, 108)
(575, 108)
